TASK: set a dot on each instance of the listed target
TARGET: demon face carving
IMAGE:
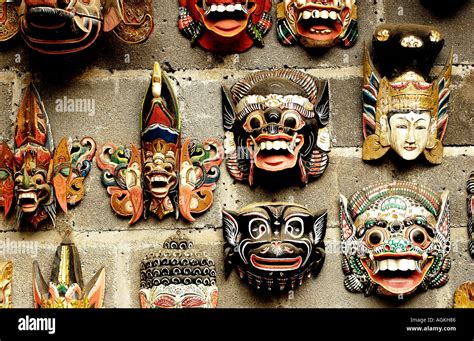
(64, 26)
(317, 23)
(36, 175)
(404, 111)
(470, 212)
(395, 239)
(274, 245)
(228, 26)
(164, 177)
(275, 124)
(6, 274)
(178, 277)
(66, 288)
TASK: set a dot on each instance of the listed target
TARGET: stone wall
(115, 76)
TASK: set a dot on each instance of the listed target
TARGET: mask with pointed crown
(395, 239)
(6, 276)
(403, 109)
(178, 276)
(275, 126)
(317, 24)
(274, 245)
(66, 287)
(227, 26)
(63, 26)
(164, 177)
(42, 177)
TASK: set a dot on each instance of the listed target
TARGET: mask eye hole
(375, 238)
(258, 227)
(292, 120)
(254, 121)
(295, 227)
(418, 236)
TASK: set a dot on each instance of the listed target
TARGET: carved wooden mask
(228, 26)
(43, 177)
(395, 239)
(403, 110)
(63, 26)
(6, 277)
(274, 245)
(317, 23)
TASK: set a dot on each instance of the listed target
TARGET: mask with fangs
(275, 126)
(163, 177)
(317, 24)
(395, 239)
(36, 175)
(227, 26)
(64, 26)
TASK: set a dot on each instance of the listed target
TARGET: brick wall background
(116, 76)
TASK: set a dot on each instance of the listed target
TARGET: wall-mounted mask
(470, 213)
(274, 245)
(178, 276)
(395, 239)
(227, 26)
(317, 23)
(464, 296)
(163, 177)
(42, 177)
(6, 276)
(404, 110)
(275, 124)
(66, 287)
(61, 27)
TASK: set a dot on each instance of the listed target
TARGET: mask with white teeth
(228, 26)
(317, 23)
(275, 122)
(395, 239)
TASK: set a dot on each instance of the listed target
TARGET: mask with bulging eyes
(275, 126)
(274, 245)
(395, 239)
(317, 24)
(226, 26)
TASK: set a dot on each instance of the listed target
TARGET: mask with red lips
(275, 124)
(64, 26)
(317, 23)
(228, 26)
(274, 245)
(395, 239)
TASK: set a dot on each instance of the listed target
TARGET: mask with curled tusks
(403, 110)
(275, 126)
(63, 26)
(274, 245)
(178, 276)
(227, 26)
(395, 239)
(317, 24)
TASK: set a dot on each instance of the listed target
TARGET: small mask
(66, 288)
(464, 296)
(227, 26)
(321, 24)
(395, 239)
(62, 27)
(178, 277)
(275, 126)
(274, 245)
(470, 210)
(42, 177)
(163, 177)
(6, 276)
(403, 111)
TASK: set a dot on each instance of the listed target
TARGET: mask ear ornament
(274, 246)
(403, 110)
(395, 239)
